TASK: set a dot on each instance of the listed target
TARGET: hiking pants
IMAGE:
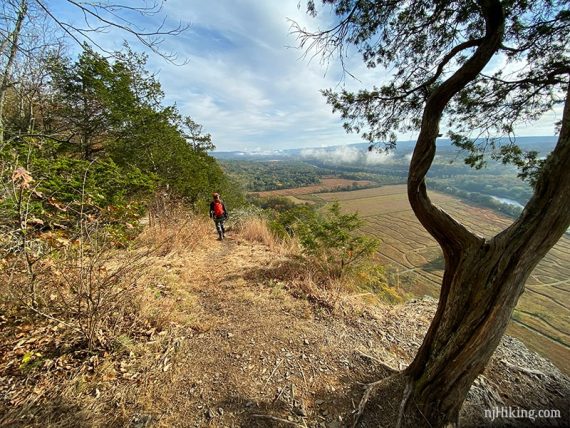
(220, 226)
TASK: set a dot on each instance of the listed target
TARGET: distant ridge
(542, 144)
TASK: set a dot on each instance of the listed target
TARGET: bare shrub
(97, 286)
(86, 284)
(163, 208)
(20, 249)
(175, 228)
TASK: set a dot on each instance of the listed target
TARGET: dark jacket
(212, 210)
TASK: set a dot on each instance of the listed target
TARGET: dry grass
(178, 231)
(226, 330)
(167, 300)
(256, 230)
(189, 286)
(115, 303)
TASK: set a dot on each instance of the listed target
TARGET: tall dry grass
(256, 229)
(177, 229)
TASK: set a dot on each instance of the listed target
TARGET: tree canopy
(483, 67)
(93, 141)
(422, 43)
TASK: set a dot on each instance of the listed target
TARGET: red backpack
(218, 209)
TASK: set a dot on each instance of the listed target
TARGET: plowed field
(542, 317)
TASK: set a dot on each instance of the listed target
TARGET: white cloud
(248, 87)
(348, 155)
(243, 82)
(378, 157)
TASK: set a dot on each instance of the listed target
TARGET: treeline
(258, 176)
(91, 137)
(396, 171)
(502, 186)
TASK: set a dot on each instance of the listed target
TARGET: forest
(90, 139)
(256, 176)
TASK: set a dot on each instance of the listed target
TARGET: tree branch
(150, 39)
(449, 233)
(547, 213)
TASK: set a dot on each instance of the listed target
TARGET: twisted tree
(483, 66)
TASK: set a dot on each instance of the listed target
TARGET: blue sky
(248, 85)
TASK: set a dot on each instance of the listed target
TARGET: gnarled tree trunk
(483, 278)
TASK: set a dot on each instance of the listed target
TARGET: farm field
(542, 317)
(326, 184)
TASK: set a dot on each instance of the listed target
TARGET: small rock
(141, 421)
(300, 411)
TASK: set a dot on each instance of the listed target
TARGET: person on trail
(219, 214)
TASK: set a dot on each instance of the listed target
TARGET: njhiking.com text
(518, 413)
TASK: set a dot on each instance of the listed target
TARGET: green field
(542, 317)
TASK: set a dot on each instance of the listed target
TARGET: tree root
(369, 388)
(276, 419)
(403, 404)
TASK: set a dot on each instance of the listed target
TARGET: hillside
(541, 318)
(236, 340)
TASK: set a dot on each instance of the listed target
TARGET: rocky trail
(247, 350)
(265, 358)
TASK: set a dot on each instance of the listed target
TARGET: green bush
(49, 193)
(332, 241)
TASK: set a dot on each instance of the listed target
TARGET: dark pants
(220, 227)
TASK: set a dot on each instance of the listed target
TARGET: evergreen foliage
(101, 144)
(332, 239)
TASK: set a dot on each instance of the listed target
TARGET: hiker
(219, 214)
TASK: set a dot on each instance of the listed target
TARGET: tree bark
(483, 279)
(4, 84)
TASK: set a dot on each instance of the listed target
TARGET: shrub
(332, 242)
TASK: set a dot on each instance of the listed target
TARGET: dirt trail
(236, 348)
(261, 355)
(260, 352)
